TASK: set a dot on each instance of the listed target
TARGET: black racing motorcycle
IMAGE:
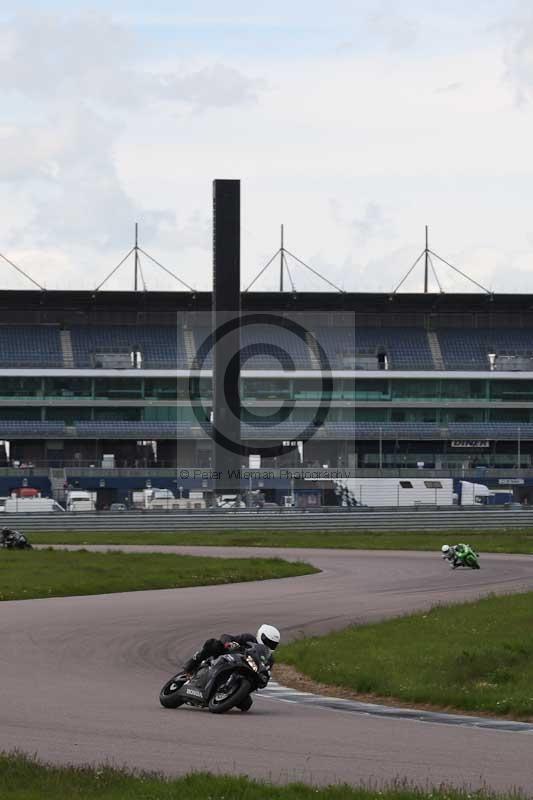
(221, 683)
(15, 541)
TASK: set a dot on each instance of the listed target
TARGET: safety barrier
(326, 520)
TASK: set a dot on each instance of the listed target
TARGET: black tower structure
(226, 312)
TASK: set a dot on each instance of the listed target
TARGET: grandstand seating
(346, 348)
(35, 428)
(142, 430)
(290, 429)
(469, 349)
(405, 348)
(267, 347)
(161, 346)
(30, 346)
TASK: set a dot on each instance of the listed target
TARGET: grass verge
(58, 573)
(23, 778)
(519, 541)
(469, 657)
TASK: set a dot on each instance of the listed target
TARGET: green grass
(23, 778)
(57, 573)
(473, 656)
(517, 541)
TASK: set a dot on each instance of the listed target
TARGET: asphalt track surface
(80, 677)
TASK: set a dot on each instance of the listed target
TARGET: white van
(78, 500)
(31, 505)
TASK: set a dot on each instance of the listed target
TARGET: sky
(353, 124)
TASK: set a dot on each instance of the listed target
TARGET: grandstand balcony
(267, 348)
(288, 430)
(109, 372)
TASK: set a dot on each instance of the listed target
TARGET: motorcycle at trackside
(470, 559)
(16, 542)
(221, 683)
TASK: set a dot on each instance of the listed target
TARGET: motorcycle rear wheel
(234, 699)
(168, 697)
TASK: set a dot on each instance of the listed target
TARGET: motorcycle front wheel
(219, 703)
(168, 696)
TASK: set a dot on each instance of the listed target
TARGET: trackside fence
(413, 519)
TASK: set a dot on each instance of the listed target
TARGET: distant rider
(455, 553)
(267, 635)
(12, 538)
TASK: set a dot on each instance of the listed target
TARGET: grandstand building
(440, 381)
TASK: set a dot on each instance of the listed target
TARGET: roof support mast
(281, 256)
(136, 257)
(428, 256)
(282, 252)
(137, 268)
(426, 264)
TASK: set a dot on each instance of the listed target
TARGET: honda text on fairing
(221, 683)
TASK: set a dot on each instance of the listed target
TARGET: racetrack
(79, 677)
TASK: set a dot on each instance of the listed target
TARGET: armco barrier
(421, 519)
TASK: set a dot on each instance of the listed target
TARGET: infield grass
(513, 541)
(57, 573)
(469, 657)
(23, 778)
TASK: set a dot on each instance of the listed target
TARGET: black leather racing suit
(12, 538)
(217, 647)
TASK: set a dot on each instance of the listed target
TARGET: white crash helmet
(269, 636)
(445, 548)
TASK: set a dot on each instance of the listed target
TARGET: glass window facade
(433, 400)
(414, 415)
(68, 387)
(365, 414)
(509, 414)
(161, 388)
(415, 390)
(68, 414)
(20, 387)
(511, 391)
(204, 390)
(106, 413)
(169, 414)
(20, 412)
(119, 388)
(369, 390)
(463, 389)
(462, 415)
(270, 389)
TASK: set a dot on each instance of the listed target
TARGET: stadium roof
(55, 306)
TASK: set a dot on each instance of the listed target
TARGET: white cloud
(73, 85)
(101, 129)
(215, 86)
(373, 222)
(518, 55)
(92, 59)
(396, 30)
(450, 87)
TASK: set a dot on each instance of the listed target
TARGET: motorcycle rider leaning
(10, 536)
(454, 553)
(267, 635)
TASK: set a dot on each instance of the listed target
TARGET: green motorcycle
(467, 556)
